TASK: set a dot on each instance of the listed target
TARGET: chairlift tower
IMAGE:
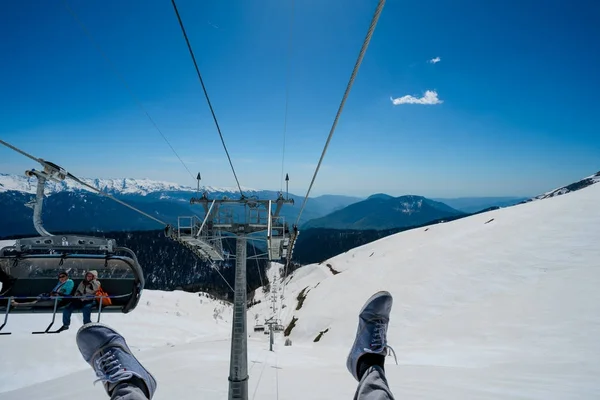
(240, 218)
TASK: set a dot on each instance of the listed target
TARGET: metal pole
(38, 205)
(206, 219)
(287, 188)
(238, 367)
(271, 338)
(10, 299)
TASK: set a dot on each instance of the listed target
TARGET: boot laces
(109, 369)
(378, 343)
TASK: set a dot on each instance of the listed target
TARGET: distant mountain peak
(143, 187)
(382, 211)
(411, 197)
(381, 196)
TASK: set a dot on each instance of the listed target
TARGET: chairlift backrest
(30, 275)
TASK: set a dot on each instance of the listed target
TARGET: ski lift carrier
(30, 267)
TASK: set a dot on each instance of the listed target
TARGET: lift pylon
(247, 218)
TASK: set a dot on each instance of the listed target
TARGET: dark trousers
(86, 310)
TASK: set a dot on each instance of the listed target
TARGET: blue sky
(517, 82)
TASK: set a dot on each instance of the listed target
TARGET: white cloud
(434, 60)
(430, 97)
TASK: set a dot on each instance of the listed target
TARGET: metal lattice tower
(238, 367)
(241, 218)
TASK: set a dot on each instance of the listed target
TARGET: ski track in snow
(504, 309)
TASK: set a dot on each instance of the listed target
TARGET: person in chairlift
(63, 287)
(86, 293)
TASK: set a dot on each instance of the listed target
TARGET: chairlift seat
(33, 287)
(33, 274)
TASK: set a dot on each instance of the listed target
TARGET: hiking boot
(110, 357)
(370, 345)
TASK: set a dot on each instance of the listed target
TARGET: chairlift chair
(31, 267)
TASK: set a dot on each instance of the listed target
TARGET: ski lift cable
(212, 111)
(276, 376)
(220, 274)
(262, 370)
(73, 177)
(115, 199)
(10, 146)
(344, 98)
(123, 81)
(287, 90)
(257, 265)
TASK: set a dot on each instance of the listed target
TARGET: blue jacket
(65, 288)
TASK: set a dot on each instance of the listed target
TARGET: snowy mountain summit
(123, 186)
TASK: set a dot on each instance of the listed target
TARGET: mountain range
(382, 211)
(70, 206)
(316, 244)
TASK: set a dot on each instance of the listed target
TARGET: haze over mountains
(71, 207)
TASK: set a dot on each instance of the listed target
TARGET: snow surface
(22, 183)
(593, 179)
(503, 304)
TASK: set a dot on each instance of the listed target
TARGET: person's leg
(66, 315)
(373, 385)
(106, 351)
(128, 391)
(367, 355)
(86, 310)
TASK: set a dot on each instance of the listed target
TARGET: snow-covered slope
(22, 183)
(585, 182)
(445, 267)
(504, 303)
(499, 305)
(162, 320)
